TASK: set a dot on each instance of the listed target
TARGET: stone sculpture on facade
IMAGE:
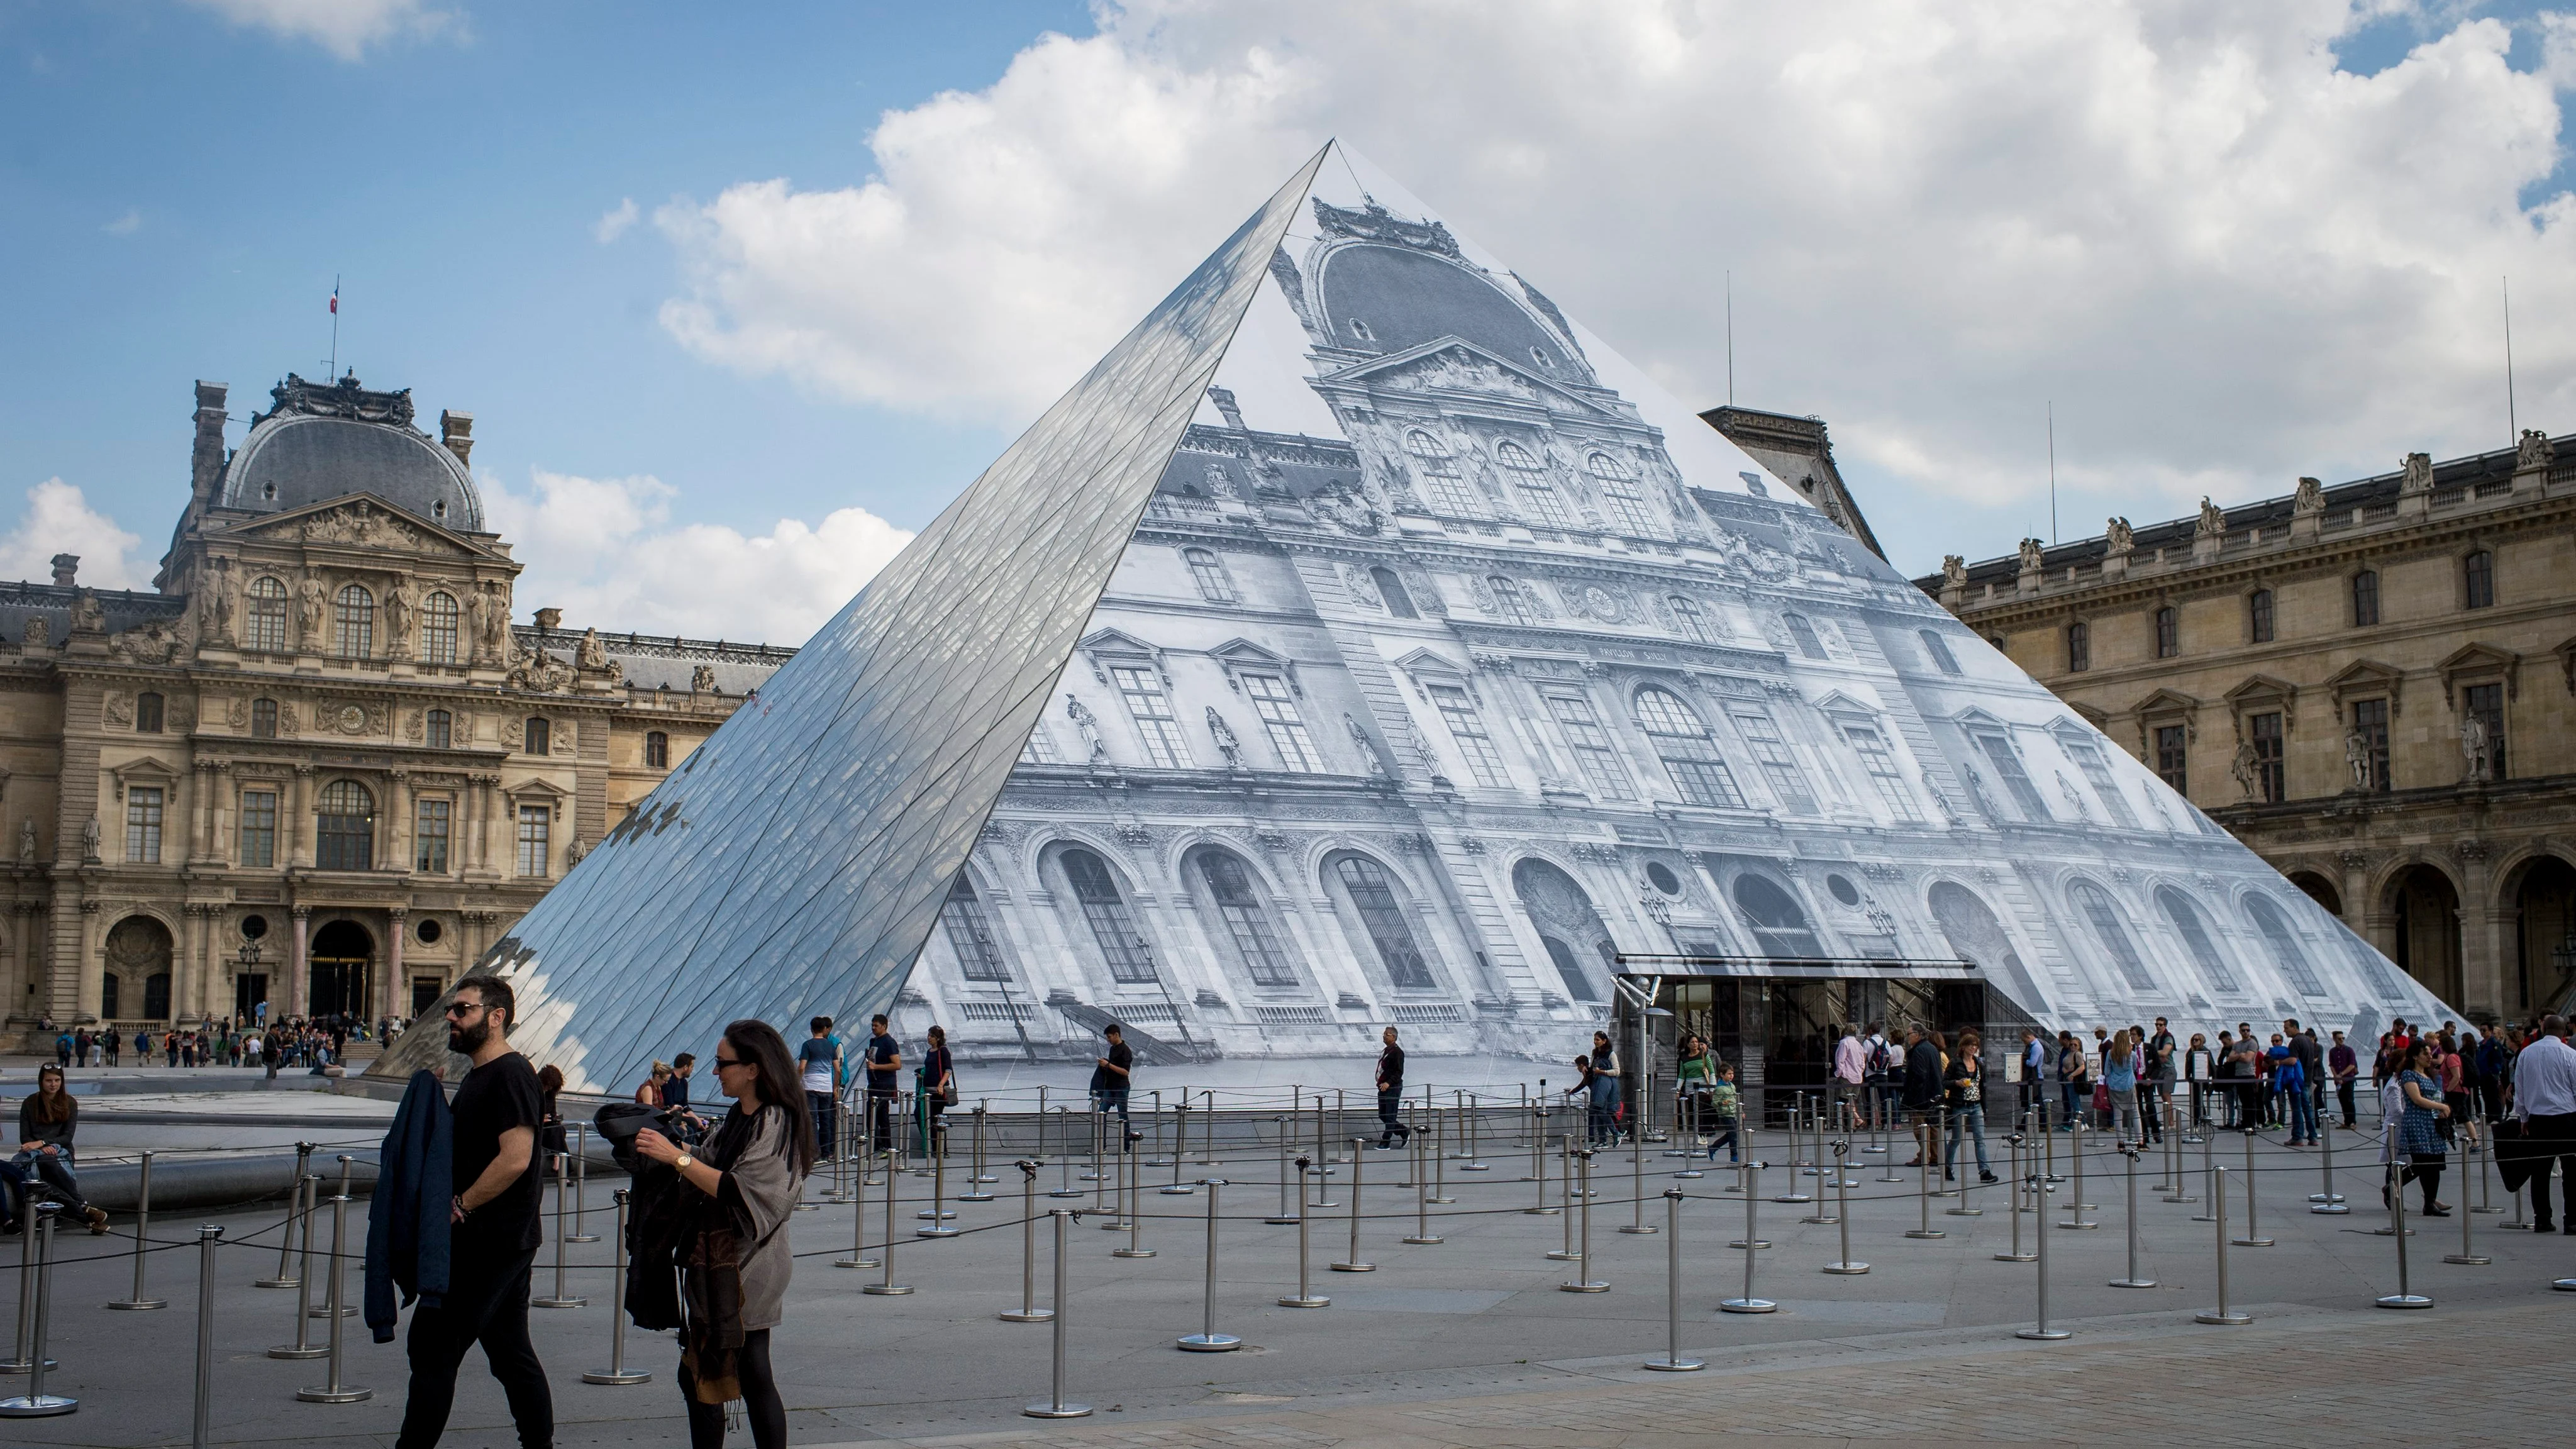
(2476, 749)
(89, 841)
(2356, 758)
(2245, 770)
(27, 841)
(88, 616)
(2119, 538)
(702, 680)
(2534, 450)
(1093, 751)
(1226, 744)
(2213, 520)
(2419, 473)
(310, 601)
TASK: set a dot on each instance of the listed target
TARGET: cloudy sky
(740, 295)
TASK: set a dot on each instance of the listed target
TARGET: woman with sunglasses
(748, 1175)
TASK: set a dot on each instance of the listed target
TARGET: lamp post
(247, 960)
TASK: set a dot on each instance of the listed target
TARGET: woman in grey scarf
(744, 1184)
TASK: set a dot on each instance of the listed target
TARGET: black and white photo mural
(1363, 642)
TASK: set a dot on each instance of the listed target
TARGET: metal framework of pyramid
(1361, 640)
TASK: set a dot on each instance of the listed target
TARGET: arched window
(2477, 580)
(1619, 494)
(1779, 927)
(1208, 572)
(2196, 938)
(263, 719)
(1691, 619)
(344, 827)
(2168, 632)
(2287, 953)
(2365, 598)
(1564, 916)
(1435, 472)
(1539, 498)
(1805, 635)
(2079, 647)
(2100, 912)
(1247, 921)
(657, 753)
(540, 736)
(1113, 930)
(1372, 898)
(1391, 589)
(2258, 616)
(264, 616)
(1510, 604)
(147, 713)
(1937, 649)
(1689, 755)
(970, 933)
(440, 726)
(354, 614)
(438, 629)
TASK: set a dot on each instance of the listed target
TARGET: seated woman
(46, 1121)
(650, 1091)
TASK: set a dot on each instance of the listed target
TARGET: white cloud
(612, 224)
(346, 28)
(59, 520)
(604, 551)
(126, 225)
(2226, 261)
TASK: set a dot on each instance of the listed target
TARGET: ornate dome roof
(328, 441)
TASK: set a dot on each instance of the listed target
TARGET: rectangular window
(2477, 579)
(1593, 751)
(2172, 764)
(536, 826)
(2168, 632)
(2370, 721)
(441, 728)
(1880, 761)
(1468, 728)
(2079, 647)
(1278, 712)
(1040, 750)
(2258, 615)
(2365, 599)
(429, 838)
(2097, 773)
(1151, 709)
(258, 827)
(1771, 752)
(2485, 704)
(142, 826)
(2007, 762)
(2264, 730)
(970, 935)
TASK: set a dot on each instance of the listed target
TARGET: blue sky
(2231, 244)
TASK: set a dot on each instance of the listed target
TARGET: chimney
(456, 430)
(549, 620)
(1223, 397)
(65, 566)
(206, 460)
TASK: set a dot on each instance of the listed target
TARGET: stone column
(500, 846)
(296, 970)
(2484, 923)
(86, 991)
(22, 956)
(200, 804)
(189, 996)
(467, 826)
(392, 1002)
(298, 828)
(398, 826)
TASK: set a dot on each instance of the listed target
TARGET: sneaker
(97, 1221)
(1949, 1176)
(1984, 1176)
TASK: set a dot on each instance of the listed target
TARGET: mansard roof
(325, 441)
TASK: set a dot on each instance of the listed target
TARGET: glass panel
(438, 629)
(1619, 498)
(142, 825)
(1538, 495)
(429, 837)
(264, 616)
(536, 824)
(438, 728)
(2370, 724)
(1436, 477)
(344, 834)
(2000, 753)
(2264, 730)
(258, 828)
(1880, 763)
(354, 616)
(1938, 649)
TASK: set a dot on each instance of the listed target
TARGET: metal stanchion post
(2405, 1296)
(2020, 1185)
(348, 1166)
(617, 1372)
(1565, 1172)
(1207, 1339)
(35, 1403)
(2208, 1179)
(1637, 1187)
(562, 1297)
(1672, 1362)
(1538, 1172)
(1028, 1311)
(1055, 1407)
(2133, 1280)
(2041, 1330)
(1207, 1134)
(1439, 1152)
(1475, 1114)
(1887, 1164)
(1353, 1264)
(2176, 1190)
(2222, 1314)
(1180, 1145)
(1584, 1282)
(285, 1278)
(887, 1287)
(2075, 1200)
(1135, 1224)
(1422, 1237)
(305, 1312)
(1796, 1147)
(142, 1227)
(203, 1415)
(17, 1362)
(336, 1392)
(1158, 1160)
(1306, 1297)
(1064, 1155)
(977, 1177)
(2329, 1200)
(859, 1227)
(581, 1185)
(1923, 1200)
(1747, 1303)
(2486, 1179)
(1287, 1209)
(939, 1212)
(1844, 1266)
(2468, 1256)
(2252, 1238)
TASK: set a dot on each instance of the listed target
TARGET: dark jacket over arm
(407, 1220)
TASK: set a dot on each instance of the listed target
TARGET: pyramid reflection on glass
(1360, 642)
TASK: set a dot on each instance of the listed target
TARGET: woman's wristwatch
(683, 1162)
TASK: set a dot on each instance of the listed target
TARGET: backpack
(1880, 1060)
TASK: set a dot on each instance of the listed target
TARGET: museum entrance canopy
(1364, 642)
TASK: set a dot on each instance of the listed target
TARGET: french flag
(335, 299)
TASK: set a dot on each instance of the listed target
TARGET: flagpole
(334, 374)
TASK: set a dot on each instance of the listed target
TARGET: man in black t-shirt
(1110, 1077)
(1390, 1093)
(493, 1233)
(885, 1058)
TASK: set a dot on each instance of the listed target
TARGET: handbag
(948, 1091)
(2101, 1096)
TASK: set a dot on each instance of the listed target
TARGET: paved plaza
(1468, 1341)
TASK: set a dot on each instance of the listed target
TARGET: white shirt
(2544, 1079)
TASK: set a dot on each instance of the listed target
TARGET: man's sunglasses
(463, 1008)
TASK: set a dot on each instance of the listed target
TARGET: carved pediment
(2367, 677)
(149, 770)
(1837, 701)
(2260, 694)
(2478, 664)
(1450, 364)
(1103, 646)
(358, 520)
(1237, 656)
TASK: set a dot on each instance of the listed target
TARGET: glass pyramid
(1361, 642)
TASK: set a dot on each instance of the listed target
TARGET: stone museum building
(318, 768)
(2373, 685)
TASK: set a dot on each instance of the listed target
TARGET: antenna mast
(2052, 470)
(2512, 420)
(1730, 338)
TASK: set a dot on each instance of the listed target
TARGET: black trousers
(881, 1118)
(490, 1309)
(761, 1405)
(1390, 1106)
(2559, 1130)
